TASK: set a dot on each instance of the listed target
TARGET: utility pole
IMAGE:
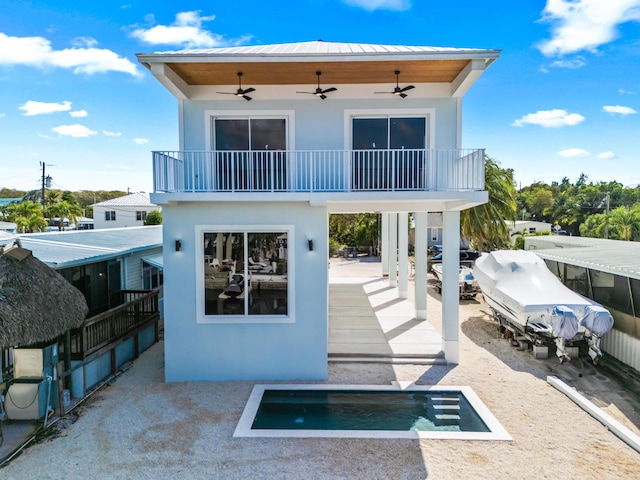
(606, 218)
(46, 182)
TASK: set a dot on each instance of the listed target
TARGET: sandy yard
(138, 427)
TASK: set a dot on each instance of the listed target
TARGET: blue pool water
(367, 410)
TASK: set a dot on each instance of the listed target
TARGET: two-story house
(273, 139)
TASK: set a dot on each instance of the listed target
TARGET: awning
(154, 261)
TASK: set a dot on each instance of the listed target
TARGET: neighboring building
(115, 270)
(8, 201)
(607, 271)
(128, 211)
(9, 227)
(273, 139)
(527, 227)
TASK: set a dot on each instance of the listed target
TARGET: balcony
(319, 171)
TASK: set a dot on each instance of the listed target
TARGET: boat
(235, 289)
(532, 302)
(468, 286)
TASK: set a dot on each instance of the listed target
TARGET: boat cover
(518, 284)
(597, 319)
(564, 322)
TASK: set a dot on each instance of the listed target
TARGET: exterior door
(388, 153)
(251, 154)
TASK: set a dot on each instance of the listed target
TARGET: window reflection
(254, 282)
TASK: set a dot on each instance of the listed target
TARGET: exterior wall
(320, 125)
(125, 216)
(246, 351)
(519, 225)
(133, 268)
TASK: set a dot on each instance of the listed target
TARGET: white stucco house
(127, 211)
(273, 139)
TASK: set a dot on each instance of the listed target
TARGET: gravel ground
(138, 427)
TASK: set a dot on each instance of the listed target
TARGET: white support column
(403, 255)
(393, 249)
(420, 278)
(384, 255)
(450, 286)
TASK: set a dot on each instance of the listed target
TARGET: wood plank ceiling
(292, 73)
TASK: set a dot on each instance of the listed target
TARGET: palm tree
(485, 225)
(65, 209)
(625, 222)
(27, 216)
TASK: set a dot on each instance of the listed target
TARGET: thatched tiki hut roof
(36, 303)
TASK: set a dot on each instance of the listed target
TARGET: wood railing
(140, 308)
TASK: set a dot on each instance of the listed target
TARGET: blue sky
(562, 99)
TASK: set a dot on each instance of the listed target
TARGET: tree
(485, 225)
(27, 216)
(154, 217)
(65, 209)
(625, 222)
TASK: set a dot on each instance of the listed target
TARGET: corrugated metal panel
(62, 249)
(622, 347)
(155, 260)
(612, 256)
(139, 199)
(319, 48)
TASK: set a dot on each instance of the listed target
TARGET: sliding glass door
(388, 153)
(251, 154)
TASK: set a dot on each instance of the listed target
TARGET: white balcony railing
(318, 171)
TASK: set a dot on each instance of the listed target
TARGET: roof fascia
(170, 80)
(467, 77)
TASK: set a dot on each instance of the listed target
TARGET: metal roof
(155, 260)
(322, 48)
(611, 256)
(139, 199)
(78, 247)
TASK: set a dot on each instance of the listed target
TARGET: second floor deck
(319, 171)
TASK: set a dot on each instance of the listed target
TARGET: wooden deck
(368, 322)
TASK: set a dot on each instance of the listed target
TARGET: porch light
(178, 245)
(310, 245)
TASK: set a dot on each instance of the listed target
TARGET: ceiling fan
(240, 92)
(319, 91)
(399, 91)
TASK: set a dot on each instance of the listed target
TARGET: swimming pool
(368, 411)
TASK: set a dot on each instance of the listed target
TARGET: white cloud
(87, 42)
(579, 25)
(549, 119)
(573, 153)
(3, 115)
(185, 30)
(371, 5)
(75, 131)
(622, 91)
(607, 155)
(618, 109)
(79, 113)
(111, 134)
(37, 52)
(572, 64)
(32, 107)
(141, 141)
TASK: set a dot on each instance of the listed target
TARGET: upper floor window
(141, 215)
(110, 215)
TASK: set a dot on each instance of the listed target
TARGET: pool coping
(243, 429)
